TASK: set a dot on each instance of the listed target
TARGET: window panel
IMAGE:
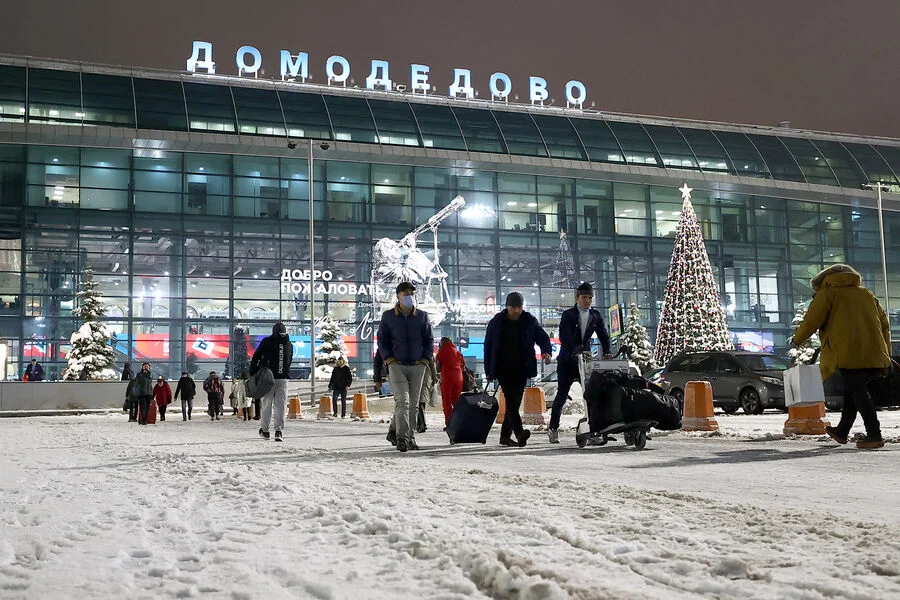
(873, 164)
(520, 133)
(708, 150)
(560, 136)
(351, 119)
(107, 100)
(305, 115)
(54, 96)
(813, 165)
(845, 168)
(891, 155)
(599, 141)
(210, 107)
(12, 93)
(258, 111)
(635, 143)
(674, 150)
(480, 130)
(160, 105)
(781, 163)
(395, 122)
(439, 127)
(746, 159)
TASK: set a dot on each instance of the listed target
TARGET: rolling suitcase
(472, 418)
(151, 413)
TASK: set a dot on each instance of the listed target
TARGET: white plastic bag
(803, 386)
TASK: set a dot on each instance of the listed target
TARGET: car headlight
(773, 381)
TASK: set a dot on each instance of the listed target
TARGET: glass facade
(188, 246)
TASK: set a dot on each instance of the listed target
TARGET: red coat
(452, 361)
(162, 393)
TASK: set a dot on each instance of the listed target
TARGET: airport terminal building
(188, 196)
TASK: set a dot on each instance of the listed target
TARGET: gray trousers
(406, 383)
(276, 397)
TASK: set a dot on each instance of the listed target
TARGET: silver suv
(747, 380)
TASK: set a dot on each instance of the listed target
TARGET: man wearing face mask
(406, 344)
(576, 327)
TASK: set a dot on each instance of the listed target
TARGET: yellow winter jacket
(852, 325)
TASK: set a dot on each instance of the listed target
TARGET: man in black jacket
(188, 389)
(576, 327)
(509, 357)
(276, 353)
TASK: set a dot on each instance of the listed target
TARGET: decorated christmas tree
(91, 355)
(331, 348)
(638, 342)
(692, 318)
(803, 354)
(240, 358)
(564, 275)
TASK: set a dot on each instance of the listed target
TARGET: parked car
(748, 380)
(885, 391)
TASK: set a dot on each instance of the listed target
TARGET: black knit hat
(584, 289)
(515, 299)
(406, 286)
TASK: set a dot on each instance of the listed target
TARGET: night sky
(827, 65)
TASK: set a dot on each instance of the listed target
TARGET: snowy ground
(95, 507)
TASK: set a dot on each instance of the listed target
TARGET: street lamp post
(880, 186)
(312, 284)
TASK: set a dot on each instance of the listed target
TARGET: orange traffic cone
(806, 420)
(360, 408)
(535, 405)
(295, 411)
(325, 408)
(501, 400)
(698, 408)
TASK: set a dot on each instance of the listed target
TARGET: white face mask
(408, 302)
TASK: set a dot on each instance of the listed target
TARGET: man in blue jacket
(576, 327)
(509, 357)
(406, 343)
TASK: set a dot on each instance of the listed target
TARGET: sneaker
(869, 443)
(401, 445)
(523, 439)
(264, 434)
(184, 418)
(553, 434)
(217, 417)
(505, 441)
(392, 437)
(412, 445)
(833, 434)
(277, 436)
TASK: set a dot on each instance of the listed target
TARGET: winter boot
(278, 436)
(523, 439)
(392, 437)
(264, 434)
(869, 443)
(401, 445)
(553, 434)
(833, 434)
(508, 441)
(412, 445)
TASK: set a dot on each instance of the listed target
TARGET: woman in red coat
(450, 364)
(162, 393)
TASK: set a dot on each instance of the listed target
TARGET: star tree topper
(685, 191)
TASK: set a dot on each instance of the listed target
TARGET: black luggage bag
(472, 418)
(615, 397)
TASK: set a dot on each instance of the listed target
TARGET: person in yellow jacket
(856, 340)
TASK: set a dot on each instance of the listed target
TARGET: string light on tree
(692, 318)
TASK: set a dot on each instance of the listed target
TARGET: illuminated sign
(293, 66)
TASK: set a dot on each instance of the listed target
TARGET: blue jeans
(334, 396)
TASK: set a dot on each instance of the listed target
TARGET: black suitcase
(472, 418)
(647, 405)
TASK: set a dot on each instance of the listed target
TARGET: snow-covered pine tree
(692, 318)
(331, 347)
(638, 342)
(803, 354)
(240, 358)
(90, 343)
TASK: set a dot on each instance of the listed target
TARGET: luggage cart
(635, 433)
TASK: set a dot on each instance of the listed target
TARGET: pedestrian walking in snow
(856, 340)
(215, 396)
(127, 373)
(187, 389)
(162, 393)
(405, 342)
(429, 382)
(509, 358)
(577, 326)
(239, 400)
(276, 353)
(34, 371)
(141, 391)
(450, 364)
(339, 384)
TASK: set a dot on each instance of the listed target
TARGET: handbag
(261, 382)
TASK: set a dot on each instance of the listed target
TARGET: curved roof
(54, 92)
